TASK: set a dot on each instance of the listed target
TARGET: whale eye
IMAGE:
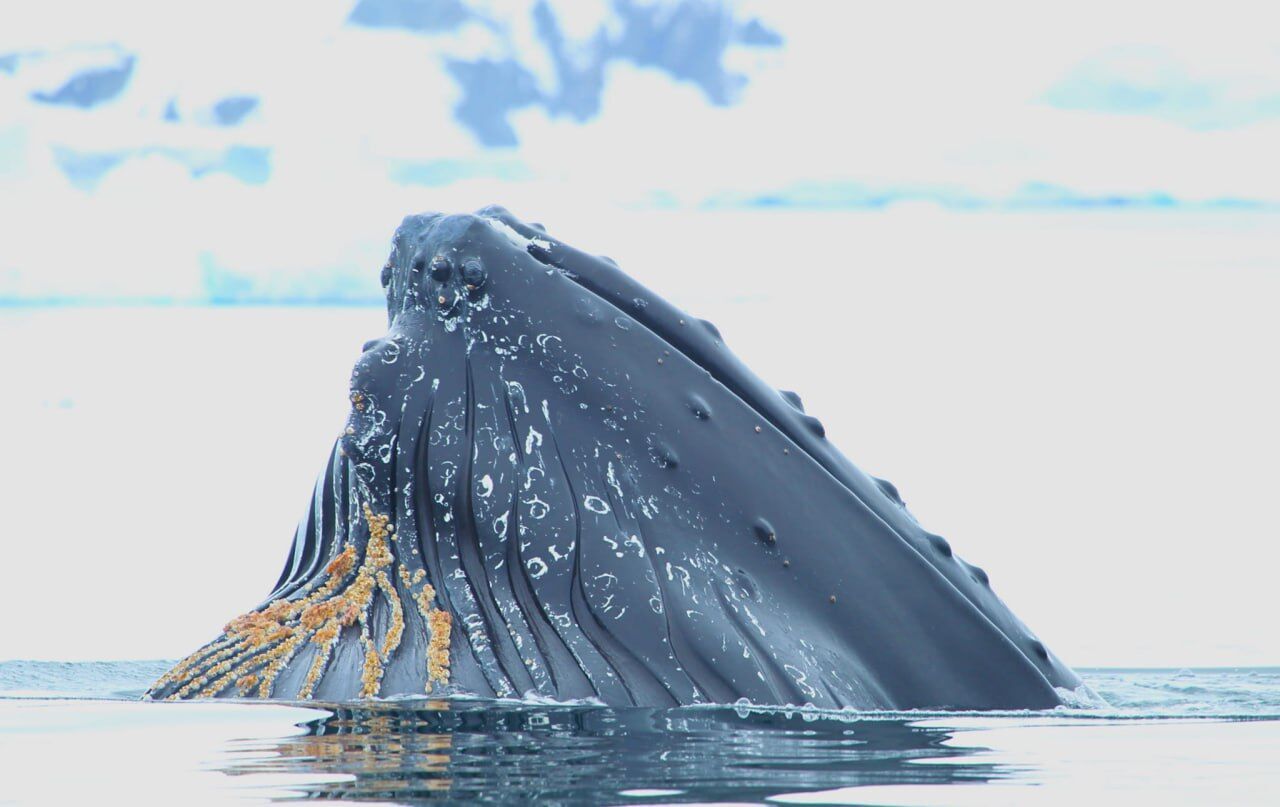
(386, 275)
(441, 268)
(473, 273)
(419, 263)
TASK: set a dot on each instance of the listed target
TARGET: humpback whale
(553, 483)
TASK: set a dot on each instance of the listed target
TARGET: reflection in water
(476, 751)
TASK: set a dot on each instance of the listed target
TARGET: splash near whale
(554, 483)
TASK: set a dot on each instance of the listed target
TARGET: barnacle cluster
(439, 624)
(255, 647)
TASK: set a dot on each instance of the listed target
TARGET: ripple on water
(483, 751)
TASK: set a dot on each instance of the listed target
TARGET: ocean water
(70, 732)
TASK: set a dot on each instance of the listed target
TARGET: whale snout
(442, 262)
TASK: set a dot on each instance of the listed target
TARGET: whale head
(553, 482)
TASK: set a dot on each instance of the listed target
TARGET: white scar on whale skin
(537, 507)
(534, 437)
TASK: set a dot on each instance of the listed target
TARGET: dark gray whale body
(554, 483)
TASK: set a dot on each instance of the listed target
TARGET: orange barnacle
(256, 646)
(327, 633)
(396, 629)
(350, 614)
(440, 624)
(279, 610)
(316, 615)
(246, 683)
(371, 675)
(210, 653)
(284, 654)
(324, 638)
(279, 633)
(438, 650)
(340, 565)
(424, 598)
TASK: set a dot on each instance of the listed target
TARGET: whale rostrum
(552, 483)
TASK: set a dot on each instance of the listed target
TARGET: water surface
(1175, 736)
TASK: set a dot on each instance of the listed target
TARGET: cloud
(1149, 81)
(331, 121)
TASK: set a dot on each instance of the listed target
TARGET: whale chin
(553, 483)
